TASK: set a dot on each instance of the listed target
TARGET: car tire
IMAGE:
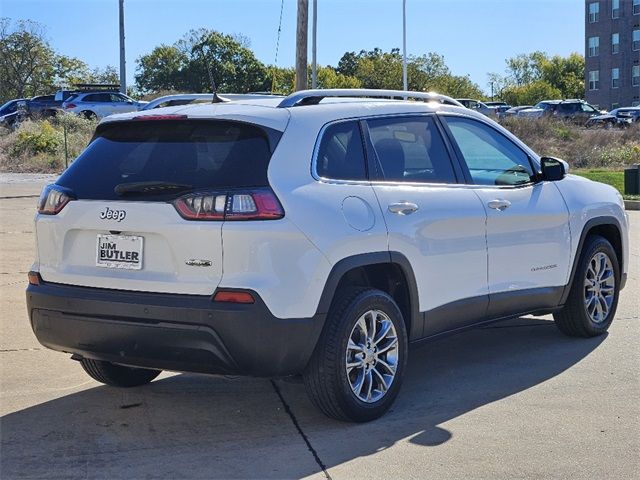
(117, 375)
(593, 298)
(353, 335)
(88, 114)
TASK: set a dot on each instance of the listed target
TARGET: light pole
(314, 65)
(404, 45)
(123, 69)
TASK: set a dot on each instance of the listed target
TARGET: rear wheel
(89, 115)
(358, 365)
(593, 299)
(117, 375)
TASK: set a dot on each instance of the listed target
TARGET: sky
(475, 36)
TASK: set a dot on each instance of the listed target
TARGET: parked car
(627, 115)
(478, 106)
(285, 236)
(100, 104)
(43, 106)
(541, 109)
(190, 98)
(620, 117)
(576, 110)
(13, 112)
(499, 107)
(514, 110)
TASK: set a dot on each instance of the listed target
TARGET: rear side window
(341, 153)
(197, 154)
(411, 149)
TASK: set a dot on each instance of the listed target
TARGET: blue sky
(475, 36)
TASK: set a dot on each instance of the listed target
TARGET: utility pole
(404, 45)
(123, 68)
(302, 34)
(314, 65)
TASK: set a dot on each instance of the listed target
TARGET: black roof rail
(313, 97)
(97, 86)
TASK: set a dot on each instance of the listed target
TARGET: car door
(432, 220)
(528, 236)
(121, 104)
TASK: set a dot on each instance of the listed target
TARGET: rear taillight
(68, 106)
(255, 204)
(52, 200)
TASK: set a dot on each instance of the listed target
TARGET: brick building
(612, 53)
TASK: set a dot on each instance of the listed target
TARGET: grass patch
(615, 178)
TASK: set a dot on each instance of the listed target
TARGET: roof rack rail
(313, 97)
(97, 86)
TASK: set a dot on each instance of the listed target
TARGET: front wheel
(593, 298)
(358, 365)
(117, 375)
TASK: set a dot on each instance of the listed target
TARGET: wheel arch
(607, 227)
(390, 272)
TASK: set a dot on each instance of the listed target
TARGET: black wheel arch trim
(374, 258)
(594, 222)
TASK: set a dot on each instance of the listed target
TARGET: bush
(33, 138)
(39, 146)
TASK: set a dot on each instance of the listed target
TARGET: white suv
(100, 104)
(313, 235)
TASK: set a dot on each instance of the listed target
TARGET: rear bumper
(188, 333)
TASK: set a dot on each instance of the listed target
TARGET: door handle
(499, 204)
(403, 208)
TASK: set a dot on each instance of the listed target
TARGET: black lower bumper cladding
(188, 333)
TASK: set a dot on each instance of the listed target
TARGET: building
(612, 53)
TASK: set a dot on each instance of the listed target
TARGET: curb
(632, 204)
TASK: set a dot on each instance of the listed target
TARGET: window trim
(460, 157)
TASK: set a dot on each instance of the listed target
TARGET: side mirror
(553, 169)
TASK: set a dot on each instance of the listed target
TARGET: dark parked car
(620, 117)
(576, 110)
(43, 106)
(12, 112)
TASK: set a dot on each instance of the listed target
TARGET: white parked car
(313, 235)
(100, 104)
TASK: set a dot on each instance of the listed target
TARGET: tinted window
(202, 154)
(117, 98)
(341, 154)
(411, 149)
(492, 158)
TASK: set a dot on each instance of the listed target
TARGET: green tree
(184, 65)
(537, 72)
(26, 60)
(530, 94)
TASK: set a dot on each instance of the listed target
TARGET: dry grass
(581, 147)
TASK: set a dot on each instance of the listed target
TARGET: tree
(530, 94)
(26, 60)
(550, 77)
(184, 65)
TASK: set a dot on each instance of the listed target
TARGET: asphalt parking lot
(513, 400)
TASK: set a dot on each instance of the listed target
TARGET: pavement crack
(293, 418)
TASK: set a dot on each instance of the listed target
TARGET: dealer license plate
(119, 251)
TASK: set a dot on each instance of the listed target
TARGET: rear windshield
(195, 154)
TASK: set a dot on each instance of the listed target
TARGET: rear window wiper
(150, 188)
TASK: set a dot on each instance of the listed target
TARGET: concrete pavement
(513, 400)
